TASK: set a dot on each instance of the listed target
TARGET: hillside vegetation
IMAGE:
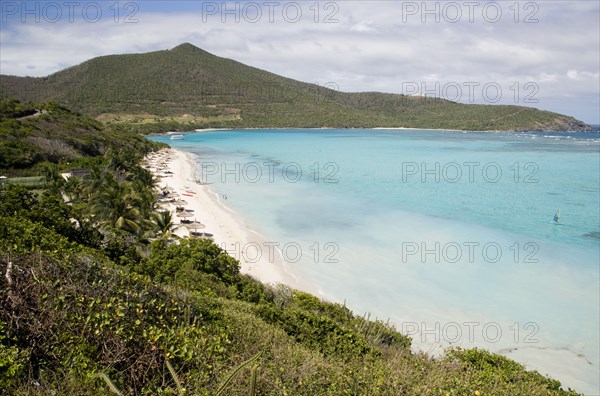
(186, 88)
(98, 299)
(33, 136)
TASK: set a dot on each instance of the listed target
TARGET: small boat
(177, 137)
(557, 216)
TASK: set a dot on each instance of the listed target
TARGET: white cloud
(547, 77)
(582, 75)
(573, 74)
(373, 46)
(363, 27)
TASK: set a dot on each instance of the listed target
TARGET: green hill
(187, 87)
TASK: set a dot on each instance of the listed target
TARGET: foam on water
(448, 234)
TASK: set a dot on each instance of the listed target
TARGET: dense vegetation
(97, 298)
(34, 136)
(187, 88)
(74, 321)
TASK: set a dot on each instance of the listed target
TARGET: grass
(32, 182)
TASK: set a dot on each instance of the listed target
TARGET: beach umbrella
(179, 202)
(184, 214)
(202, 235)
(195, 225)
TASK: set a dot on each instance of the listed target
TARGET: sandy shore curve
(175, 170)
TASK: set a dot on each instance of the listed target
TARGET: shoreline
(228, 229)
(205, 130)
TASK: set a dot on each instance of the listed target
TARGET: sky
(543, 54)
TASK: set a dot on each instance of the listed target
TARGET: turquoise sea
(449, 235)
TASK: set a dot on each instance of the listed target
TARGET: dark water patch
(593, 235)
(305, 225)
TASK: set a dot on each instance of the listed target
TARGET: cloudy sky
(544, 54)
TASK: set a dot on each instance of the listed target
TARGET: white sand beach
(224, 226)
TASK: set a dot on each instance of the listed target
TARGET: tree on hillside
(116, 206)
(164, 225)
(73, 188)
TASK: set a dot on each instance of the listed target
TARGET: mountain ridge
(187, 87)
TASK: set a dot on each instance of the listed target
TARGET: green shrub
(490, 368)
(316, 331)
(201, 255)
(13, 360)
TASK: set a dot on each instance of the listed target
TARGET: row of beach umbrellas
(159, 163)
(193, 226)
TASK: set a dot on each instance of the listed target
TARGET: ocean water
(449, 235)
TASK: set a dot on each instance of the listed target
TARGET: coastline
(228, 229)
(401, 129)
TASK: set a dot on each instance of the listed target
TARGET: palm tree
(116, 206)
(73, 188)
(118, 160)
(163, 225)
(143, 176)
(146, 197)
(93, 181)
